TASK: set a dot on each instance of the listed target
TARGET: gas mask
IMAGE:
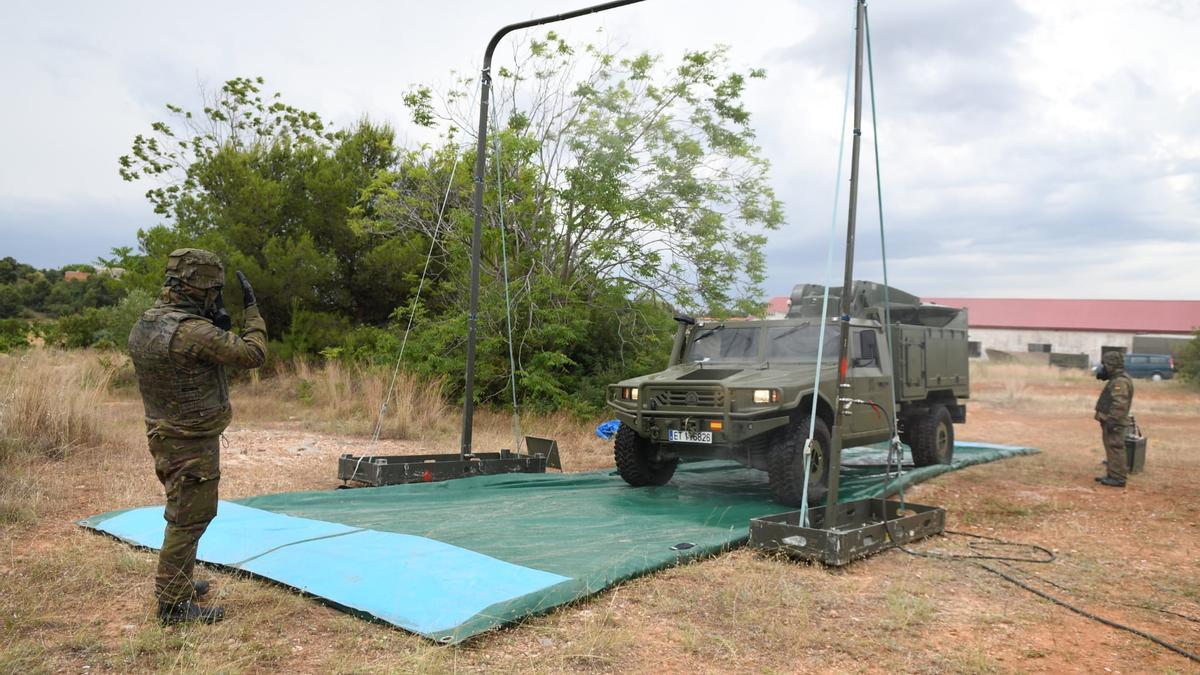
(1102, 373)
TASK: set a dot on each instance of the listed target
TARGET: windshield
(799, 343)
(720, 344)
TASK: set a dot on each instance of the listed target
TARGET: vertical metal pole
(840, 409)
(485, 88)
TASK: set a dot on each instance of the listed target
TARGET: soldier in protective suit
(1112, 411)
(180, 349)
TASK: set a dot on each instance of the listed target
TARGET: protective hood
(207, 303)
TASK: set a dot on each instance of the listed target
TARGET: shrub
(1188, 363)
(14, 334)
(104, 327)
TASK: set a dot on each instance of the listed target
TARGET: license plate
(677, 436)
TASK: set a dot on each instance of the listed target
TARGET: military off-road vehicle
(743, 390)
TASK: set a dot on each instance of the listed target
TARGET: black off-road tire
(635, 460)
(934, 438)
(785, 464)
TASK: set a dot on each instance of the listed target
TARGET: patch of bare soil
(70, 600)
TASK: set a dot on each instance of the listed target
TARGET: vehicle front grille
(689, 398)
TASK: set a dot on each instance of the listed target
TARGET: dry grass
(54, 401)
(347, 398)
(54, 404)
(69, 599)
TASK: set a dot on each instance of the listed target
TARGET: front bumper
(654, 415)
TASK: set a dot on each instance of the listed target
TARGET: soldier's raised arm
(202, 341)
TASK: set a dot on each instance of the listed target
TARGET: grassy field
(71, 445)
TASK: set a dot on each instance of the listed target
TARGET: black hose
(1050, 582)
(1046, 557)
(1084, 613)
(974, 559)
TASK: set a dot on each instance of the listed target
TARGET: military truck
(744, 390)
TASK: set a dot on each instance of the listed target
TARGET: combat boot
(184, 612)
(200, 588)
(1112, 482)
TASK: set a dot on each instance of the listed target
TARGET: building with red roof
(1023, 325)
(777, 307)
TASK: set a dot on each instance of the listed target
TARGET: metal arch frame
(476, 236)
(485, 86)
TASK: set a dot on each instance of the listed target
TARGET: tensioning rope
(387, 399)
(412, 313)
(512, 362)
(837, 191)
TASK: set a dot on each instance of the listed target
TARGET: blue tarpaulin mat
(449, 560)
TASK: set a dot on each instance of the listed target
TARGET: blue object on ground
(607, 430)
(416, 583)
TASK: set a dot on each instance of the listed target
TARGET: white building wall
(1017, 340)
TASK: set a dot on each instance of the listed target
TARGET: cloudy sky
(1029, 149)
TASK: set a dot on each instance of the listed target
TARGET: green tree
(14, 334)
(12, 271)
(270, 188)
(102, 327)
(619, 189)
(622, 188)
(1189, 360)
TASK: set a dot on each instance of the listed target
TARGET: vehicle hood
(734, 376)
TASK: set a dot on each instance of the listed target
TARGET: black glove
(220, 317)
(248, 298)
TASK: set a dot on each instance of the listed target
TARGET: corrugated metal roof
(1122, 316)
(1136, 316)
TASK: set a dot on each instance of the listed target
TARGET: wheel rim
(943, 439)
(816, 460)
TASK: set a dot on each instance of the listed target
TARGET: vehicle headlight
(629, 393)
(766, 396)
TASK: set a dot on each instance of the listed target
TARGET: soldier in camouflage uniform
(1112, 411)
(180, 348)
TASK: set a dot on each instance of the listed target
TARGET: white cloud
(1027, 146)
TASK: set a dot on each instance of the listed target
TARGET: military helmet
(196, 268)
(1113, 361)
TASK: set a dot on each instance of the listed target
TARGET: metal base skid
(866, 526)
(377, 470)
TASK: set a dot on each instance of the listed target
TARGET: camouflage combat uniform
(1112, 411)
(180, 358)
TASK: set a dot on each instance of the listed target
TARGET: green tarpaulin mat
(449, 560)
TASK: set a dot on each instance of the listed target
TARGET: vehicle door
(868, 374)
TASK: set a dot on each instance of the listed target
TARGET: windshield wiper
(708, 332)
(788, 332)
